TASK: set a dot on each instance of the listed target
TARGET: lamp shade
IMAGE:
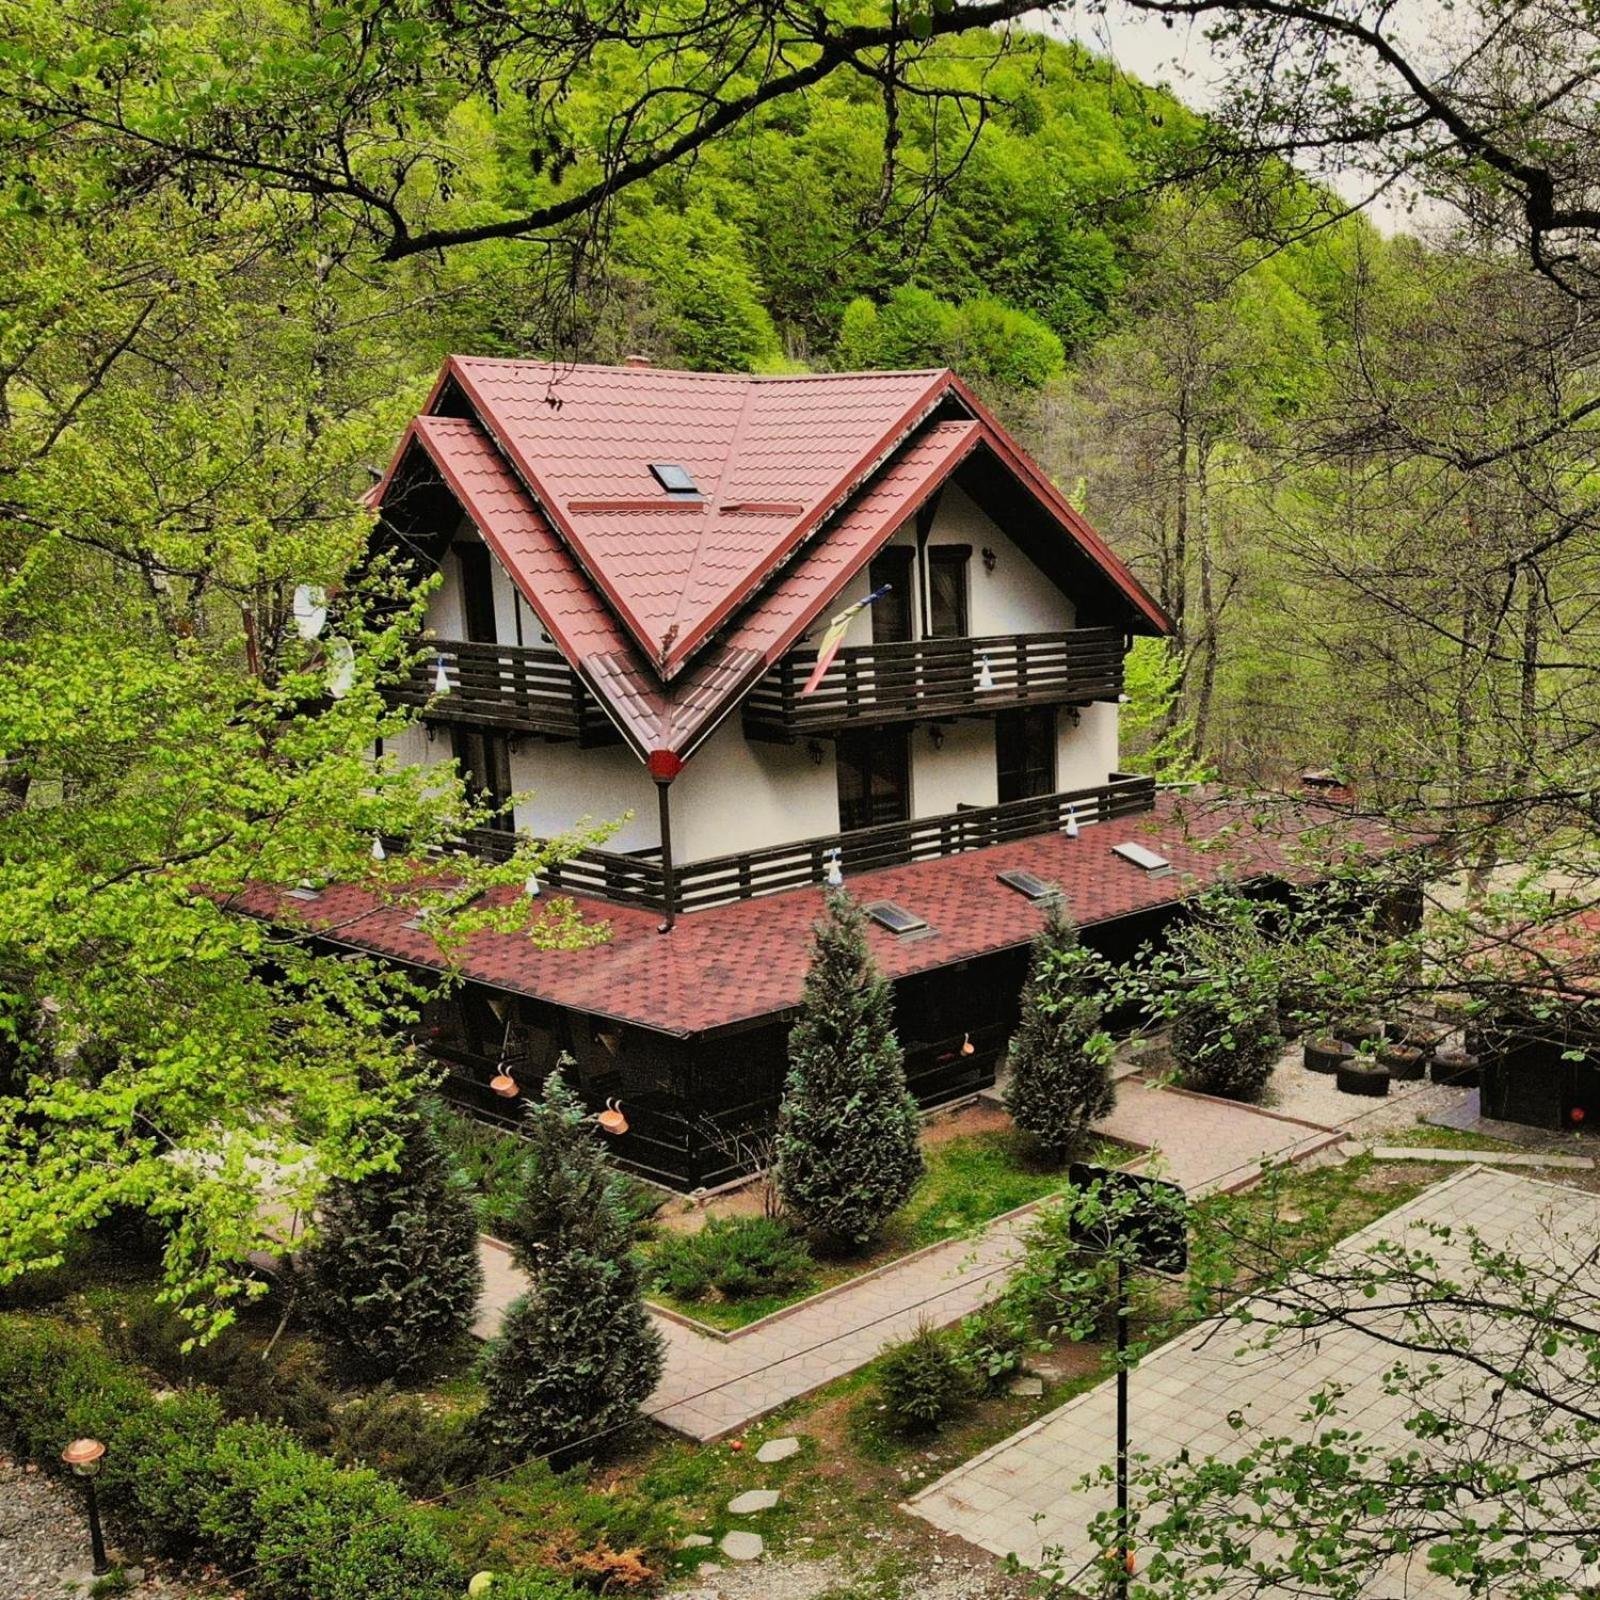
(84, 1456)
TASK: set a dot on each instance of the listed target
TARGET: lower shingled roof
(737, 963)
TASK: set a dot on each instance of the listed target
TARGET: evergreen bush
(922, 1382)
(577, 1354)
(392, 1279)
(735, 1257)
(848, 1142)
(1059, 1061)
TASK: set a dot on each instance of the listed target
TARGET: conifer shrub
(737, 1258)
(848, 1142)
(1059, 1061)
(577, 1355)
(392, 1279)
(923, 1382)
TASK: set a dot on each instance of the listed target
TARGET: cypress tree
(578, 1353)
(848, 1147)
(392, 1278)
(1059, 1059)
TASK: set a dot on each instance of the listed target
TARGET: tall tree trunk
(1208, 603)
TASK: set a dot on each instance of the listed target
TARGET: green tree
(392, 1277)
(577, 1355)
(1059, 1060)
(848, 1147)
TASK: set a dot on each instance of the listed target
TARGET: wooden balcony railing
(507, 686)
(641, 880)
(871, 685)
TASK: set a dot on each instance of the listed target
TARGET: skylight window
(673, 478)
(1027, 884)
(305, 891)
(895, 918)
(1146, 861)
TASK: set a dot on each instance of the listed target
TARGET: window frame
(875, 742)
(1020, 724)
(475, 568)
(958, 559)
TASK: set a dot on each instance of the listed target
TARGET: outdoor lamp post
(84, 1456)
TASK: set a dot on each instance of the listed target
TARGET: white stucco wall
(739, 794)
(961, 773)
(1015, 598)
(571, 786)
(1088, 754)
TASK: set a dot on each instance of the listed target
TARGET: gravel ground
(976, 1577)
(44, 1543)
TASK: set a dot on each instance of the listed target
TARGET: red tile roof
(671, 608)
(742, 961)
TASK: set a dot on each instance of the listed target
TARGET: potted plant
(1363, 1076)
(1326, 1055)
(1404, 1062)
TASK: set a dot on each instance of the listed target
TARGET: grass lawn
(971, 1179)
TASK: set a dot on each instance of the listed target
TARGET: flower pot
(1359, 1031)
(1459, 1068)
(1403, 1062)
(1362, 1075)
(1327, 1055)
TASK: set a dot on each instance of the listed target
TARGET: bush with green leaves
(849, 1138)
(994, 1344)
(923, 1382)
(577, 1354)
(1059, 1062)
(392, 1278)
(736, 1258)
(1225, 1038)
(406, 1438)
(181, 1481)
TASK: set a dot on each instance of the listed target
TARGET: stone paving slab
(1024, 1496)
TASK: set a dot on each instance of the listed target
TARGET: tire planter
(1362, 1075)
(1359, 1030)
(1326, 1055)
(1455, 1067)
(1405, 1063)
(1426, 1038)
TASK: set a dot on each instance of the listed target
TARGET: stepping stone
(1031, 1388)
(751, 1501)
(740, 1546)
(696, 1541)
(778, 1450)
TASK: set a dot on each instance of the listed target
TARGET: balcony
(509, 687)
(928, 679)
(641, 879)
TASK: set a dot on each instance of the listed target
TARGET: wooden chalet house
(638, 568)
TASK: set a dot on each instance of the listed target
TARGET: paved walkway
(715, 1384)
(1023, 1496)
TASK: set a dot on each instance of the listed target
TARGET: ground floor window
(1025, 753)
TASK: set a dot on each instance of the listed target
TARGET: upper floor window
(477, 591)
(891, 613)
(947, 591)
(1025, 753)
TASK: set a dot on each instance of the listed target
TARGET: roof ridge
(854, 375)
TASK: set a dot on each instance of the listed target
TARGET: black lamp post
(84, 1456)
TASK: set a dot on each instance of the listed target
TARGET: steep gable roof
(671, 606)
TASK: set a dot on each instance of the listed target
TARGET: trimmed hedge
(181, 1481)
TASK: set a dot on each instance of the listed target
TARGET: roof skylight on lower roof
(895, 918)
(675, 479)
(1028, 884)
(1146, 861)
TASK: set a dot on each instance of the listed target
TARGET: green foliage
(392, 1278)
(848, 1141)
(923, 1383)
(1225, 1039)
(734, 1257)
(406, 1437)
(1155, 736)
(576, 1356)
(533, 1586)
(981, 339)
(994, 1344)
(246, 1495)
(489, 1160)
(1059, 1059)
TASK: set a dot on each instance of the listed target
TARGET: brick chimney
(637, 361)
